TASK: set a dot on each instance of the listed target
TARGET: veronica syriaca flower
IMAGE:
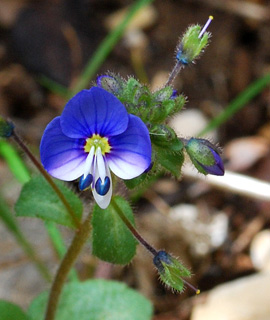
(94, 135)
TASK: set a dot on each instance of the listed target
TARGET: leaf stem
(48, 178)
(134, 232)
(69, 259)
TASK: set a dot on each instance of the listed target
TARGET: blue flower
(94, 135)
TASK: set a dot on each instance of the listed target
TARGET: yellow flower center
(97, 141)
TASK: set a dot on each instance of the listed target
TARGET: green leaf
(112, 241)
(171, 161)
(95, 300)
(10, 311)
(38, 200)
(132, 183)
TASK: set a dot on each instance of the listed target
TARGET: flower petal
(103, 201)
(61, 156)
(94, 111)
(130, 155)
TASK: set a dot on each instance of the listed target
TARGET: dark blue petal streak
(94, 111)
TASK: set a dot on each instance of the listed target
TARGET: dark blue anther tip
(103, 188)
(85, 183)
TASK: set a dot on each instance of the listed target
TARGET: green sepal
(200, 153)
(172, 273)
(179, 103)
(163, 94)
(112, 240)
(191, 46)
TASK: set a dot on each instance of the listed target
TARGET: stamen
(89, 162)
(101, 165)
(85, 183)
(103, 188)
(206, 26)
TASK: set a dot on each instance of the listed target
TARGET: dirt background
(55, 39)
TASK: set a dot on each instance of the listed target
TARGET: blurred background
(221, 234)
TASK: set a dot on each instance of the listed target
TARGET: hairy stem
(48, 178)
(176, 69)
(134, 232)
(69, 259)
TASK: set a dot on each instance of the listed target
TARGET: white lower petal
(89, 162)
(101, 165)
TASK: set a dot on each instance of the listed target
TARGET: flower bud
(205, 157)
(6, 128)
(171, 271)
(110, 83)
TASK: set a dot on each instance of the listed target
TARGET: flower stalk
(69, 259)
(134, 232)
(34, 160)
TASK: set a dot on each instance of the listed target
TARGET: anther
(85, 182)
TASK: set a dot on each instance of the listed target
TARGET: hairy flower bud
(110, 83)
(171, 271)
(6, 128)
(205, 156)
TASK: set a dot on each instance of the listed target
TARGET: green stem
(106, 47)
(134, 232)
(48, 178)
(69, 259)
(59, 245)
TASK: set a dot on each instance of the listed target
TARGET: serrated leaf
(38, 200)
(95, 300)
(112, 241)
(10, 311)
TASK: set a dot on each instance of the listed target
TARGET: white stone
(260, 251)
(243, 299)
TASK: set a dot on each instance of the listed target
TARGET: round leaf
(112, 241)
(10, 311)
(95, 300)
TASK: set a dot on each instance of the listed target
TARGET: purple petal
(131, 151)
(94, 111)
(216, 169)
(60, 155)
